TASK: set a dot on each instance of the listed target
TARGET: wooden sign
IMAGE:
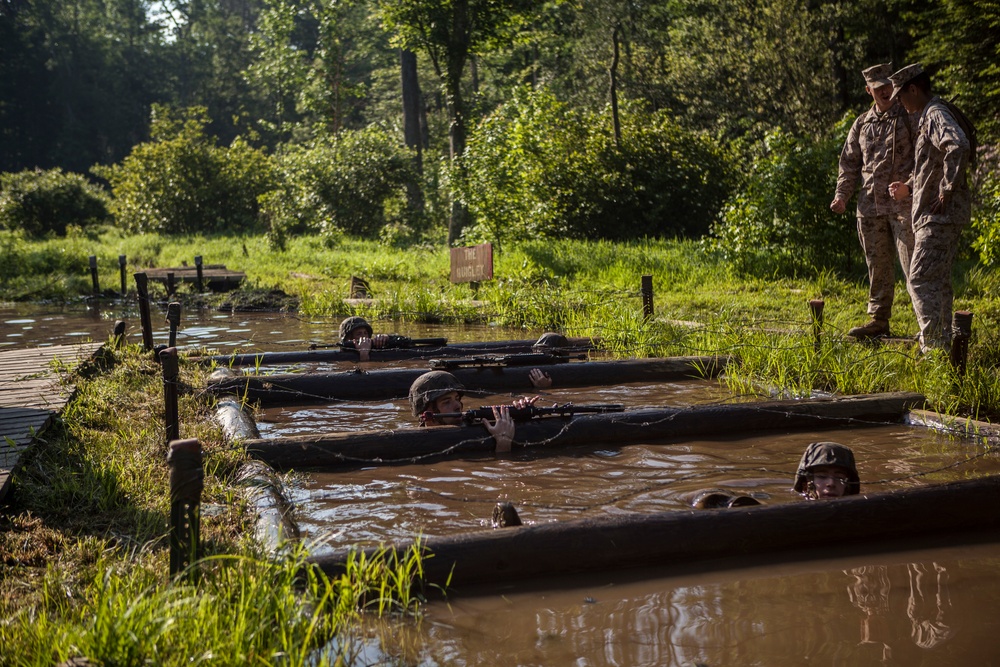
(472, 264)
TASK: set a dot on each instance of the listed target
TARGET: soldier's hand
(838, 205)
(899, 190)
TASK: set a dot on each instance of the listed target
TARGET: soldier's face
(910, 98)
(450, 402)
(882, 96)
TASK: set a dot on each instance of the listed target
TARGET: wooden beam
(403, 446)
(299, 388)
(666, 539)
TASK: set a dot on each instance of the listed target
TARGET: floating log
(265, 358)
(298, 388)
(620, 428)
(870, 522)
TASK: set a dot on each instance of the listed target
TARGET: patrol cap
(431, 386)
(352, 324)
(904, 76)
(828, 454)
(877, 76)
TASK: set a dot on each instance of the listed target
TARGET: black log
(649, 424)
(666, 539)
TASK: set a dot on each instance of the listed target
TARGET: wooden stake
(187, 480)
(174, 320)
(168, 360)
(647, 296)
(961, 332)
(816, 309)
(93, 275)
(201, 276)
(121, 270)
(142, 290)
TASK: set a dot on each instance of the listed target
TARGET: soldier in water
(827, 470)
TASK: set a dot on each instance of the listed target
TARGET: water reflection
(794, 614)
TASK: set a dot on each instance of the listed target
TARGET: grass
(84, 548)
(83, 552)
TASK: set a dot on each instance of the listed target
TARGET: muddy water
(224, 332)
(924, 607)
(936, 605)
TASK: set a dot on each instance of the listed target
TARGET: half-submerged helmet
(549, 341)
(431, 386)
(828, 454)
(351, 324)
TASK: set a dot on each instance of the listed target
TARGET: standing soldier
(941, 203)
(878, 151)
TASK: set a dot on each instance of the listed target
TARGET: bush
(39, 202)
(180, 182)
(354, 183)
(779, 222)
(537, 168)
(986, 207)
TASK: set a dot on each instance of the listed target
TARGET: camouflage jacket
(941, 163)
(878, 151)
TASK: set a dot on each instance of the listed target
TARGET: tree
(448, 31)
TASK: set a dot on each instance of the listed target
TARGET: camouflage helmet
(828, 454)
(550, 340)
(431, 386)
(351, 324)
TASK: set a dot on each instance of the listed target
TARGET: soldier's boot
(873, 329)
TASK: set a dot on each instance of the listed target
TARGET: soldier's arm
(948, 137)
(851, 160)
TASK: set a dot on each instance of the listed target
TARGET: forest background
(413, 121)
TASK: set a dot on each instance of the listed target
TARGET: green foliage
(779, 222)
(180, 182)
(39, 202)
(537, 167)
(986, 211)
(352, 183)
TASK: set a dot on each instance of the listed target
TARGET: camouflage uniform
(941, 157)
(878, 151)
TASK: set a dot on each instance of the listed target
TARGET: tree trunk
(458, 51)
(411, 124)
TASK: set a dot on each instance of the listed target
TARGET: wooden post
(816, 309)
(141, 288)
(168, 360)
(93, 275)
(647, 296)
(174, 320)
(171, 285)
(201, 273)
(961, 330)
(118, 334)
(187, 479)
(121, 269)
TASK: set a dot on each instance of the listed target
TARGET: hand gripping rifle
(394, 342)
(527, 359)
(474, 415)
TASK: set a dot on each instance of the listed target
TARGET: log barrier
(867, 522)
(383, 384)
(403, 446)
(398, 354)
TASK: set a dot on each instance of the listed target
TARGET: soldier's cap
(904, 76)
(877, 76)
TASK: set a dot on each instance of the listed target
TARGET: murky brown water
(934, 606)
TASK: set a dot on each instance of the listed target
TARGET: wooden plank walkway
(215, 276)
(31, 395)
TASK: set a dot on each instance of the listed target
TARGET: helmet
(550, 340)
(431, 386)
(349, 325)
(828, 454)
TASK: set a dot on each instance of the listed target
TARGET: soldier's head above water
(433, 393)
(827, 470)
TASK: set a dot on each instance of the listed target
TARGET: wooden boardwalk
(31, 395)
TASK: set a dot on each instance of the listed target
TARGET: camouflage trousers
(883, 238)
(934, 248)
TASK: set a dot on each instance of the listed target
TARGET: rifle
(526, 359)
(524, 414)
(394, 342)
